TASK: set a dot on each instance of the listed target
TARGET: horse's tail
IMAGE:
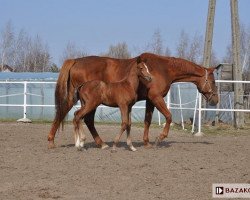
(64, 99)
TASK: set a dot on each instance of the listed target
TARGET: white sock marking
(77, 141)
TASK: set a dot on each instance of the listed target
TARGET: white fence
(181, 105)
(200, 109)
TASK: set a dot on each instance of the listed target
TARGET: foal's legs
(129, 140)
(124, 125)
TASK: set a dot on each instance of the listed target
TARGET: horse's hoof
(104, 146)
(157, 141)
(81, 149)
(148, 146)
(113, 150)
(81, 144)
(51, 145)
(132, 148)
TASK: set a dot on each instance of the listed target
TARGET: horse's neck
(132, 78)
(188, 72)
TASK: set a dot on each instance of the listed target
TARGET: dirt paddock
(183, 167)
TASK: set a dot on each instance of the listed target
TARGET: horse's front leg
(159, 103)
(129, 140)
(89, 121)
(147, 122)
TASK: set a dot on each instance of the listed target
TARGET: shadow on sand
(163, 144)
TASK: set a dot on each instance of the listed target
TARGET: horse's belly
(110, 104)
(108, 99)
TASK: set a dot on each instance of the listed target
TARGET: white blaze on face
(146, 68)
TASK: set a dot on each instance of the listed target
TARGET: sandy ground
(183, 167)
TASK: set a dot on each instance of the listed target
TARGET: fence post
(159, 118)
(25, 100)
(195, 110)
(168, 98)
(199, 133)
(24, 119)
(180, 106)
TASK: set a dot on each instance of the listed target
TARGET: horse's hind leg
(82, 135)
(77, 135)
(129, 140)
(89, 121)
(57, 121)
(78, 129)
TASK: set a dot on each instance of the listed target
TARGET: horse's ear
(138, 60)
(218, 66)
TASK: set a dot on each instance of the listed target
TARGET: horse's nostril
(148, 78)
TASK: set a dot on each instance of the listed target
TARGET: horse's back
(99, 68)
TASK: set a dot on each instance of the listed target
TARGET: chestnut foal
(122, 94)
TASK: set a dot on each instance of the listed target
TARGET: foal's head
(143, 71)
(206, 86)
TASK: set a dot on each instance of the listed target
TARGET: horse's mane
(183, 63)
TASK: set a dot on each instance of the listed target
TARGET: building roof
(6, 68)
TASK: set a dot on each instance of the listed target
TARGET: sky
(93, 25)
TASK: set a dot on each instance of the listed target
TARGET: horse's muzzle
(148, 78)
(213, 101)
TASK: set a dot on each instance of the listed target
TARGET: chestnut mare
(122, 94)
(164, 70)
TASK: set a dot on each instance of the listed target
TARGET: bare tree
(167, 52)
(156, 46)
(18, 51)
(26, 53)
(119, 50)
(190, 49)
(6, 43)
(214, 59)
(195, 49)
(22, 52)
(183, 45)
(72, 51)
(245, 48)
(37, 57)
(228, 58)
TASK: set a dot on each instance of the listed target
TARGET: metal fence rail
(197, 108)
(200, 109)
